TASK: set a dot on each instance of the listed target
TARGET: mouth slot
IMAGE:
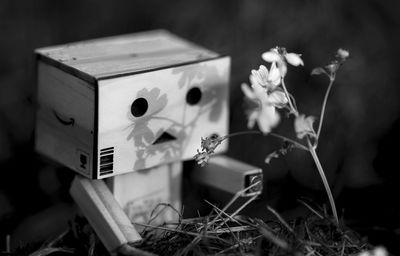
(165, 137)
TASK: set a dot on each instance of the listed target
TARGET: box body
(127, 103)
(151, 196)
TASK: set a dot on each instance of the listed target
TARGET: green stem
(294, 110)
(299, 145)
(241, 133)
(311, 148)
(321, 116)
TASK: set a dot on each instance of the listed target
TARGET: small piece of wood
(103, 213)
(230, 175)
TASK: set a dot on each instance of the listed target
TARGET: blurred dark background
(359, 142)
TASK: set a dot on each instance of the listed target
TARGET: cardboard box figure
(127, 103)
(128, 108)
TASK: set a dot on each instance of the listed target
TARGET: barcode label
(106, 161)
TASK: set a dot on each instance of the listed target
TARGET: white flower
(377, 251)
(277, 98)
(280, 57)
(264, 112)
(380, 251)
(267, 79)
(304, 126)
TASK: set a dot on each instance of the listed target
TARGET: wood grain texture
(227, 174)
(106, 138)
(65, 119)
(103, 213)
(140, 193)
(107, 57)
(168, 110)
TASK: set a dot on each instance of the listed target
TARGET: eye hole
(139, 107)
(193, 96)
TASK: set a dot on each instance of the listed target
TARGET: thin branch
(272, 237)
(234, 198)
(181, 232)
(219, 211)
(321, 116)
(311, 209)
(293, 100)
(279, 217)
(299, 145)
(242, 133)
(294, 110)
(235, 238)
(324, 180)
(245, 204)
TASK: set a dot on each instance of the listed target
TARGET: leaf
(318, 71)
(270, 156)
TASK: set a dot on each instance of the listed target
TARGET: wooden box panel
(86, 91)
(65, 119)
(126, 54)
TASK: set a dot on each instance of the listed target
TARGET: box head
(136, 102)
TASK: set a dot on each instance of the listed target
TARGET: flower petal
(268, 119)
(252, 79)
(247, 91)
(263, 71)
(260, 75)
(271, 56)
(277, 99)
(257, 77)
(282, 68)
(260, 93)
(304, 125)
(274, 77)
(252, 118)
(294, 59)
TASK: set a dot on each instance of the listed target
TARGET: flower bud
(271, 56)
(294, 59)
(343, 54)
